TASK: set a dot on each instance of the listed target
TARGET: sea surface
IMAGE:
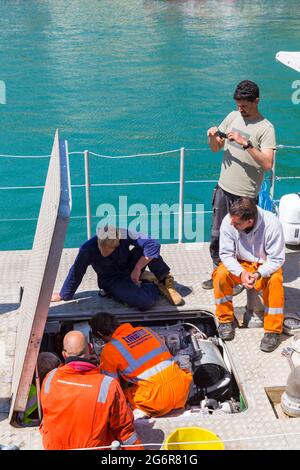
(142, 76)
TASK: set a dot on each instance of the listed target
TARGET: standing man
(119, 269)
(249, 145)
(81, 407)
(153, 382)
(252, 251)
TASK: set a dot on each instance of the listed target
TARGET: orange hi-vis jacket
(83, 408)
(140, 357)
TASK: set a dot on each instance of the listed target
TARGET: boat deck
(260, 426)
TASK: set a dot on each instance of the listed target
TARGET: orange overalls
(156, 384)
(273, 295)
(84, 409)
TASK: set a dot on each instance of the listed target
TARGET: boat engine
(210, 374)
(192, 350)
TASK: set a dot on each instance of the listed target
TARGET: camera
(221, 134)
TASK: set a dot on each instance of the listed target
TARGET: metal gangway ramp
(41, 272)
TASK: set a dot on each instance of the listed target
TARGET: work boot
(167, 288)
(269, 342)
(226, 331)
(207, 284)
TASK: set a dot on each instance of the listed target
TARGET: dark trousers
(144, 296)
(221, 203)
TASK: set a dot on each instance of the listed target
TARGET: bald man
(83, 408)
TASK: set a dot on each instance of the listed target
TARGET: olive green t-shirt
(240, 174)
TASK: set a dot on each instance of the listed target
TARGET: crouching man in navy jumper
(119, 269)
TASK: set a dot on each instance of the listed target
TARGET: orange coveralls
(273, 295)
(156, 384)
(84, 409)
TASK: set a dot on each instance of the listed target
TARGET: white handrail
(181, 182)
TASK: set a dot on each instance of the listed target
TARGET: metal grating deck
(255, 428)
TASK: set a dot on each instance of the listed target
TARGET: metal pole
(87, 194)
(181, 196)
(38, 392)
(272, 185)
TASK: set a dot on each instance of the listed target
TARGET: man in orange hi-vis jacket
(154, 383)
(81, 407)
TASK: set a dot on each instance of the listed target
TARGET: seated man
(81, 407)
(154, 383)
(252, 252)
(119, 269)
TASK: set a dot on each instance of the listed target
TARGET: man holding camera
(249, 146)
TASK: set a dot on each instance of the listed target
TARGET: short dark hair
(105, 323)
(246, 90)
(46, 361)
(244, 208)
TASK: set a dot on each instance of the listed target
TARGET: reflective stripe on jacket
(140, 357)
(84, 409)
(134, 354)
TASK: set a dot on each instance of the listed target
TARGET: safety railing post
(273, 175)
(181, 196)
(87, 194)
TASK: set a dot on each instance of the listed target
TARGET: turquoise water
(139, 76)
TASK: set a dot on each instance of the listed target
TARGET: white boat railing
(181, 153)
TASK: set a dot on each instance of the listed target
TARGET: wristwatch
(248, 145)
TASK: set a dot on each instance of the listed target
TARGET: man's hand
(237, 137)
(212, 132)
(255, 276)
(248, 279)
(55, 297)
(137, 271)
(135, 276)
(215, 142)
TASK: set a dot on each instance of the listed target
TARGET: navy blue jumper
(113, 272)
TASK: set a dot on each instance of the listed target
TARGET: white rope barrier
(28, 219)
(238, 439)
(279, 178)
(202, 149)
(138, 183)
(282, 146)
(201, 181)
(20, 187)
(25, 156)
(135, 155)
(119, 216)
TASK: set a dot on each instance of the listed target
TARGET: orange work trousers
(162, 393)
(273, 295)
